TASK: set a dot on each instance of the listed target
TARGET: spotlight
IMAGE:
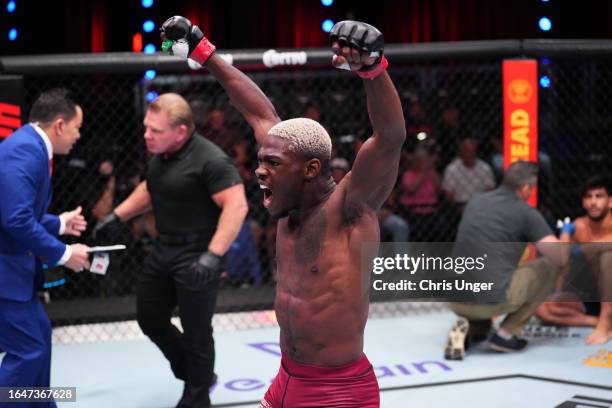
(151, 95)
(327, 25)
(545, 24)
(150, 74)
(148, 26)
(149, 49)
(12, 34)
(545, 81)
(10, 6)
(147, 3)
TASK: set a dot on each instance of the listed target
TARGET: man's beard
(600, 217)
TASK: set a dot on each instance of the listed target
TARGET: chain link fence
(453, 111)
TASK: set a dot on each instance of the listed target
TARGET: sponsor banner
(520, 81)
(273, 58)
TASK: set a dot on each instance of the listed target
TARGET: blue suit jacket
(27, 232)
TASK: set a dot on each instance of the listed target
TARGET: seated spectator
(339, 167)
(393, 227)
(467, 175)
(419, 188)
(594, 227)
(417, 124)
(447, 131)
(242, 257)
(226, 138)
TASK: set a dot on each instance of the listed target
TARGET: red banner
(11, 103)
(520, 78)
(10, 118)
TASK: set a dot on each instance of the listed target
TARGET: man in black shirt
(502, 222)
(199, 205)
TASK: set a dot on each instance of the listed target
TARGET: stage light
(10, 6)
(151, 95)
(147, 3)
(137, 42)
(544, 61)
(149, 49)
(327, 25)
(545, 24)
(150, 74)
(545, 81)
(12, 34)
(148, 26)
(327, 3)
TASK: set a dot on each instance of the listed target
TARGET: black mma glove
(366, 39)
(183, 39)
(109, 226)
(206, 269)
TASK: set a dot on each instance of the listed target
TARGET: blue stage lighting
(148, 26)
(151, 95)
(327, 3)
(545, 81)
(545, 24)
(149, 49)
(150, 74)
(147, 3)
(10, 6)
(12, 34)
(327, 25)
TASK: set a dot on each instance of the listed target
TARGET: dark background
(66, 26)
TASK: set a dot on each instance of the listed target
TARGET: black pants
(161, 288)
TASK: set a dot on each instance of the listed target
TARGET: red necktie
(50, 167)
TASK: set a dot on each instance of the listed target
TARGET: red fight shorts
(299, 385)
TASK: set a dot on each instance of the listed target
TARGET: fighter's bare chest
(302, 247)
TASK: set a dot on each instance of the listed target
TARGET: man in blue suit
(28, 237)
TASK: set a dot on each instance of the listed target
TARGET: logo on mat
(603, 358)
(520, 91)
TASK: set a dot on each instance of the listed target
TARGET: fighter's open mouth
(267, 195)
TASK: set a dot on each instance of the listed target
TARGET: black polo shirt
(181, 186)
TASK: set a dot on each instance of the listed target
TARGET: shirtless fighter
(322, 291)
(595, 231)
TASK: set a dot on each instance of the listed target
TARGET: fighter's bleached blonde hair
(305, 136)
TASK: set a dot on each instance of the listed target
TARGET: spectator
(503, 216)
(339, 167)
(467, 175)
(447, 131)
(417, 124)
(419, 189)
(393, 227)
(217, 132)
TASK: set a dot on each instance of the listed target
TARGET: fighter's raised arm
(183, 39)
(359, 47)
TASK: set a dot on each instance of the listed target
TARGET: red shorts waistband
(298, 369)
